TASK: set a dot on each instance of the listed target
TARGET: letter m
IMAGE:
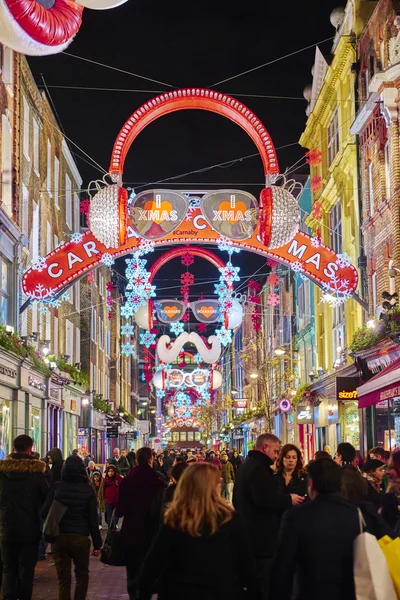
(295, 250)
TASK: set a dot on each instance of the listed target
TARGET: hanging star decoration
(229, 273)
(147, 339)
(273, 299)
(316, 184)
(176, 328)
(317, 211)
(127, 329)
(273, 279)
(107, 259)
(226, 245)
(187, 279)
(128, 349)
(314, 157)
(187, 259)
(126, 310)
(146, 246)
(77, 237)
(224, 335)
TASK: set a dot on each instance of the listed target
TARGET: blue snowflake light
(128, 349)
(77, 237)
(197, 358)
(226, 245)
(160, 394)
(147, 339)
(126, 310)
(127, 329)
(38, 264)
(107, 259)
(176, 328)
(224, 335)
(229, 273)
(205, 395)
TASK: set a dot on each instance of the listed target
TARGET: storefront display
(5, 429)
(36, 429)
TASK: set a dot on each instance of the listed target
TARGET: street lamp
(253, 375)
(234, 391)
(279, 351)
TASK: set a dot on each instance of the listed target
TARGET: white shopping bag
(371, 574)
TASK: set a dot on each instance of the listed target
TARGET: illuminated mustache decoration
(209, 355)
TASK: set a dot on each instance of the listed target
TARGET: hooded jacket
(111, 487)
(23, 489)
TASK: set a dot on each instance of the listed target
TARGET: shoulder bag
(112, 553)
(51, 526)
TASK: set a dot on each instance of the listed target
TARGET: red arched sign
(199, 99)
(177, 252)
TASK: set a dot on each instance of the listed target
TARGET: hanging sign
(346, 388)
(305, 415)
(240, 403)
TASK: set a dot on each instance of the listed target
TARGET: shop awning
(383, 386)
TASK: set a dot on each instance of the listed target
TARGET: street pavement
(105, 583)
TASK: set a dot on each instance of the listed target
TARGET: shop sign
(115, 422)
(346, 388)
(240, 403)
(54, 394)
(238, 433)
(131, 435)
(35, 383)
(8, 371)
(305, 415)
(112, 432)
(390, 393)
(83, 431)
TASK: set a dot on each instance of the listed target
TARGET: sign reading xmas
(71, 260)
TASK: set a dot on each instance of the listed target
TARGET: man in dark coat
(23, 489)
(257, 497)
(316, 541)
(140, 500)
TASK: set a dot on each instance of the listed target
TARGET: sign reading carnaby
(70, 261)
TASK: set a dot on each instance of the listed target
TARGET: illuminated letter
(315, 259)
(196, 222)
(90, 248)
(295, 250)
(331, 269)
(72, 259)
(50, 270)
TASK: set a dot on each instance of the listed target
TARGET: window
(47, 335)
(374, 289)
(68, 201)
(55, 241)
(371, 189)
(69, 344)
(55, 336)
(101, 283)
(56, 182)
(94, 324)
(25, 210)
(335, 227)
(34, 313)
(4, 291)
(108, 342)
(34, 241)
(101, 334)
(93, 379)
(77, 345)
(35, 146)
(77, 288)
(77, 213)
(6, 165)
(333, 137)
(307, 303)
(49, 188)
(7, 67)
(107, 391)
(26, 129)
(49, 236)
(387, 169)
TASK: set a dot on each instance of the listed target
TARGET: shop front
(327, 426)
(92, 433)
(72, 409)
(346, 394)
(55, 415)
(9, 383)
(379, 400)
(306, 431)
(32, 397)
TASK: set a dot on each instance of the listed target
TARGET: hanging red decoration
(187, 259)
(84, 206)
(271, 263)
(109, 286)
(254, 299)
(317, 211)
(316, 184)
(109, 315)
(201, 327)
(185, 290)
(254, 286)
(274, 299)
(185, 317)
(187, 278)
(256, 320)
(314, 157)
(91, 278)
(273, 279)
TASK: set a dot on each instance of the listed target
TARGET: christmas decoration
(77, 237)
(343, 260)
(127, 329)
(187, 279)
(128, 349)
(224, 335)
(254, 286)
(274, 299)
(314, 157)
(107, 259)
(297, 267)
(176, 328)
(317, 211)
(229, 274)
(187, 259)
(316, 184)
(201, 327)
(273, 279)
(38, 264)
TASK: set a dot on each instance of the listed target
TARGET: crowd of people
(281, 530)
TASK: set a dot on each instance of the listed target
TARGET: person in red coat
(112, 483)
(140, 501)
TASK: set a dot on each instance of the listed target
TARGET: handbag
(372, 580)
(391, 550)
(112, 553)
(51, 526)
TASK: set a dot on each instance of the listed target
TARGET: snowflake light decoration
(77, 237)
(254, 286)
(229, 273)
(128, 349)
(254, 299)
(317, 211)
(271, 263)
(182, 399)
(107, 259)
(224, 335)
(274, 299)
(187, 279)
(126, 310)
(220, 288)
(109, 286)
(205, 395)
(84, 206)
(201, 327)
(127, 329)
(314, 157)
(160, 394)
(315, 242)
(147, 339)
(316, 184)
(146, 246)
(38, 264)
(186, 317)
(187, 259)
(273, 279)
(226, 245)
(185, 290)
(343, 260)
(176, 328)
(40, 293)
(197, 358)
(297, 267)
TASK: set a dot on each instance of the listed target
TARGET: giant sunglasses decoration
(171, 311)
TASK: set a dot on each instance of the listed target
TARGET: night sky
(188, 44)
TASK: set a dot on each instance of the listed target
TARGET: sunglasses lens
(169, 311)
(207, 311)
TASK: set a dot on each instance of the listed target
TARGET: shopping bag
(51, 526)
(391, 550)
(112, 553)
(372, 578)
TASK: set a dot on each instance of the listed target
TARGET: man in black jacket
(23, 489)
(316, 541)
(257, 497)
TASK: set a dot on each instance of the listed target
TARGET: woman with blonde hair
(200, 523)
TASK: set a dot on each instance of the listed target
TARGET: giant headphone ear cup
(144, 316)
(108, 215)
(235, 316)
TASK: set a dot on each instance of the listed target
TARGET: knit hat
(74, 470)
(373, 464)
